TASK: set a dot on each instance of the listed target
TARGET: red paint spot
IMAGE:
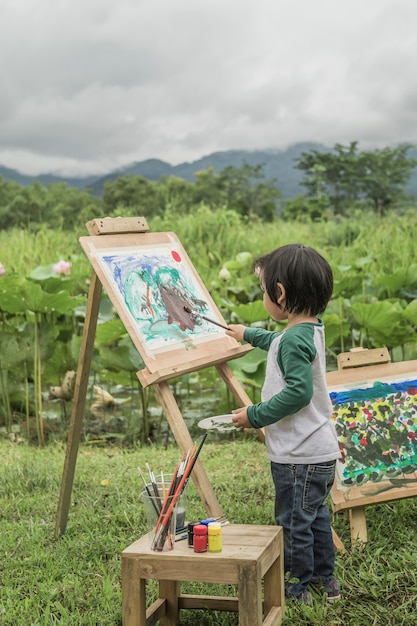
(176, 256)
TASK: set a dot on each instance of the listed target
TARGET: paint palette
(222, 423)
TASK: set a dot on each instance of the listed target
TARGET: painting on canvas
(156, 284)
(377, 430)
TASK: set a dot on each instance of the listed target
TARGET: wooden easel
(215, 355)
(362, 365)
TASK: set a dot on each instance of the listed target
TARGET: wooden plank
(232, 383)
(178, 368)
(214, 603)
(372, 493)
(169, 590)
(155, 612)
(78, 404)
(237, 391)
(337, 542)
(250, 595)
(117, 225)
(184, 441)
(134, 593)
(360, 357)
(357, 520)
(371, 372)
(274, 595)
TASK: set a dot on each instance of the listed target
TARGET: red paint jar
(200, 538)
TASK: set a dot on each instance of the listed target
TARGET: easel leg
(184, 441)
(233, 384)
(237, 391)
(78, 404)
(357, 519)
(337, 542)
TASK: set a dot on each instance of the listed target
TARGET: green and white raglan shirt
(296, 408)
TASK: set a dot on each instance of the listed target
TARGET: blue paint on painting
(378, 390)
(157, 285)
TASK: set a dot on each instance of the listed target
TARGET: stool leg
(274, 584)
(133, 594)
(250, 596)
(170, 589)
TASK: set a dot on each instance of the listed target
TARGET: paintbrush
(204, 317)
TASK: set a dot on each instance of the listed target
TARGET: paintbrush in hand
(204, 317)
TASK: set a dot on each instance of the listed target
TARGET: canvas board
(150, 279)
(376, 424)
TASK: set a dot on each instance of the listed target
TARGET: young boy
(300, 437)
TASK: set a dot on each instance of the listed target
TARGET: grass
(76, 580)
(212, 238)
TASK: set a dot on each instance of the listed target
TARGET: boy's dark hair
(305, 274)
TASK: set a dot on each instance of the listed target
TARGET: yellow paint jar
(214, 537)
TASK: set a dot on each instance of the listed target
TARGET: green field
(76, 580)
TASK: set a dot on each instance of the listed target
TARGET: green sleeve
(259, 337)
(295, 354)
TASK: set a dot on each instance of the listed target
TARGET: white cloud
(90, 86)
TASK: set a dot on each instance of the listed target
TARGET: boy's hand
(240, 418)
(236, 331)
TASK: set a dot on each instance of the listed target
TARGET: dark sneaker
(331, 588)
(305, 598)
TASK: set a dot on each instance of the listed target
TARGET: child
(300, 437)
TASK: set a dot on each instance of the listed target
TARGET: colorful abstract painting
(156, 285)
(377, 431)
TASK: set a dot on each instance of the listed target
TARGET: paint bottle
(191, 527)
(214, 537)
(200, 538)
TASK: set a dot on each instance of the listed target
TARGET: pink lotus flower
(63, 267)
(2, 269)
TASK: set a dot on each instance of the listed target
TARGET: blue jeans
(300, 508)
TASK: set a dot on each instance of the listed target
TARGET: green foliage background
(224, 220)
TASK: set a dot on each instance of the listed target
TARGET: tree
(175, 194)
(348, 176)
(246, 195)
(57, 205)
(305, 209)
(383, 176)
(241, 189)
(133, 192)
(207, 188)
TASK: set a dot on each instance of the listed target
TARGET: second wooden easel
(354, 368)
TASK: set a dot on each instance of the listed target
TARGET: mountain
(45, 179)
(277, 164)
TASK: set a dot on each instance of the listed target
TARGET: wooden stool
(249, 554)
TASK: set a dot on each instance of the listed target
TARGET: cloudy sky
(87, 86)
